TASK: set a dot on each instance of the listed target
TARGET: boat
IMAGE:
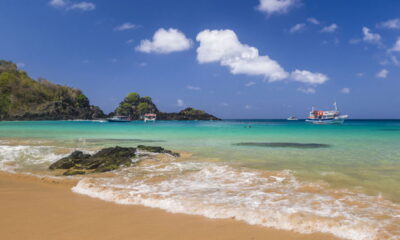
(292, 118)
(119, 119)
(326, 117)
(149, 117)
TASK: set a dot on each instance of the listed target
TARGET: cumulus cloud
(276, 6)
(224, 47)
(180, 103)
(330, 29)
(390, 24)
(382, 73)
(297, 28)
(81, 6)
(194, 88)
(313, 21)
(125, 26)
(345, 90)
(370, 37)
(308, 90)
(165, 41)
(307, 77)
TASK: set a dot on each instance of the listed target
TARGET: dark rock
(72, 172)
(107, 159)
(72, 160)
(157, 149)
(283, 145)
(187, 114)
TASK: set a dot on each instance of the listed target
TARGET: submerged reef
(283, 145)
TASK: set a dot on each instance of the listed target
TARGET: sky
(232, 58)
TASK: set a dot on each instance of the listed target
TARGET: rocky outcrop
(136, 106)
(153, 149)
(107, 159)
(187, 114)
(22, 98)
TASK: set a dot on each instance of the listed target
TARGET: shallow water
(340, 179)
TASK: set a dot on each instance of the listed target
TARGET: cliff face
(135, 106)
(22, 98)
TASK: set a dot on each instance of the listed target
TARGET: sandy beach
(34, 208)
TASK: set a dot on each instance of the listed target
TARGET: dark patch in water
(107, 140)
(389, 129)
(283, 145)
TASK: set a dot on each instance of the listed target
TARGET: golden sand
(45, 208)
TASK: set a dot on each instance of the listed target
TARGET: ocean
(291, 175)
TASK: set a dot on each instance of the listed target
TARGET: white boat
(326, 117)
(292, 118)
(149, 117)
(119, 119)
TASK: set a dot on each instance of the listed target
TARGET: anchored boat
(292, 118)
(119, 119)
(326, 117)
(150, 117)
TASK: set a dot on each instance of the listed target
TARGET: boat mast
(334, 104)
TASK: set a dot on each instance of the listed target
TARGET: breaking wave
(268, 198)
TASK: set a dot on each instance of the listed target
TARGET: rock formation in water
(22, 98)
(107, 159)
(135, 106)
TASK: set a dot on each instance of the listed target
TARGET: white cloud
(371, 37)
(82, 6)
(330, 29)
(276, 6)
(248, 107)
(313, 21)
(297, 28)
(194, 88)
(224, 104)
(345, 90)
(130, 41)
(308, 90)
(125, 26)
(382, 74)
(251, 83)
(307, 77)
(396, 46)
(58, 3)
(65, 4)
(224, 47)
(391, 24)
(180, 103)
(165, 41)
(20, 65)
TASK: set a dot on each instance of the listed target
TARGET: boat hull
(326, 121)
(117, 120)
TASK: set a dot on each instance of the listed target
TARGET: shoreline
(45, 208)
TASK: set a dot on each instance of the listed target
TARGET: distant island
(22, 98)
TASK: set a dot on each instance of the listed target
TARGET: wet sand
(39, 209)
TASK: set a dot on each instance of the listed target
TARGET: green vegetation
(26, 99)
(136, 106)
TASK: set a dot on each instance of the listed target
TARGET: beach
(273, 180)
(41, 208)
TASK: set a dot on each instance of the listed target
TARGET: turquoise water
(361, 157)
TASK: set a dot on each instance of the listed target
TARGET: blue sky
(232, 58)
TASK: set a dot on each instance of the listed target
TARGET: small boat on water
(292, 118)
(149, 117)
(326, 117)
(119, 119)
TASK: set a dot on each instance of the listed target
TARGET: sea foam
(268, 198)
